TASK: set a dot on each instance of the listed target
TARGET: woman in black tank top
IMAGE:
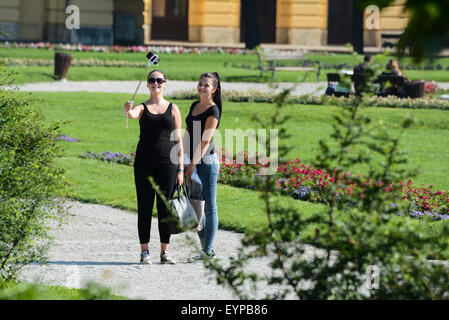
(158, 119)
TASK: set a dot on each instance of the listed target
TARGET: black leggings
(164, 177)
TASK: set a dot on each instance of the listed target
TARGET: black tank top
(154, 144)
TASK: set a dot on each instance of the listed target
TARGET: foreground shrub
(341, 253)
(32, 186)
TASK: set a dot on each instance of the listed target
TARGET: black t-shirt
(196, 124)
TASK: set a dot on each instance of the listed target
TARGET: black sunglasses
(158, 80)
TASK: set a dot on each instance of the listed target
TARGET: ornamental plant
(357, 247)
(108, 156)
(116, 48)
(427, 102)
(32, 185)
(312, 184)
(308, 183)
(66, 138)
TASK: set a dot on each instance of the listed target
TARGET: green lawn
(231, 67)
(187, 72)
(98, 120)
(29, 291)
(251, 58)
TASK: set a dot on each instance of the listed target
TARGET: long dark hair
(216, 97)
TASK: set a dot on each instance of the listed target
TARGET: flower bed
(313, 184)
(66, 138)
(108, 156)
(119, 49)
(375, 101)
(23, 62)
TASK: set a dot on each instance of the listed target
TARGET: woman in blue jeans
(202, 121)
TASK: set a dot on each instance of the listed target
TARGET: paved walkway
(314, 88)
(172, 86)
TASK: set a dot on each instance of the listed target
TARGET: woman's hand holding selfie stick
(152, 59)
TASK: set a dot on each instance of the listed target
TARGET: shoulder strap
(145, 108)
(168, 111)
(192, 106)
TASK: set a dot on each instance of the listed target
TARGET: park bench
(267, 62)
(398, 86)
(401, 86)
(335, 87)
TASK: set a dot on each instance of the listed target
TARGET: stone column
(147, 19)
(301, 22)
(214, 21)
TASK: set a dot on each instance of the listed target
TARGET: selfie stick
(152, 59)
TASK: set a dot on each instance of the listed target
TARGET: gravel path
(172, 86)
(314, 88)
(100, 243)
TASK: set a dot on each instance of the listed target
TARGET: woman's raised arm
(133, 113)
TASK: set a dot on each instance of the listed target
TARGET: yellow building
(298, 22)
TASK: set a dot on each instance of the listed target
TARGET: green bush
(340, 252)
(32, 186)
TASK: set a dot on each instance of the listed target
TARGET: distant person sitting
(360, 74)
(393, 68)
(396, 79)
(360, 68)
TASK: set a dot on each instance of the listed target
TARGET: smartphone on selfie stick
(152, 59)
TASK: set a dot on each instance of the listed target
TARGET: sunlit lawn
(231, 67)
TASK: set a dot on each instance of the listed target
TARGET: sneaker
(145, 257)
(166, 259)
(201, 256)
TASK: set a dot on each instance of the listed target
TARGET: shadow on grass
(21, 78)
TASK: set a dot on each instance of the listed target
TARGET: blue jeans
(208, 171)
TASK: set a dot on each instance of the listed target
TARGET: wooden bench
(267, 62)
(400, 86)
(397, 88)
